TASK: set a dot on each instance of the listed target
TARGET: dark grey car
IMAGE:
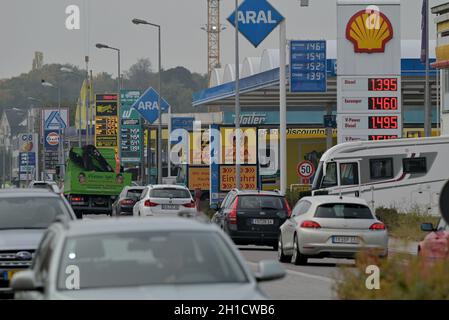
(25, 214)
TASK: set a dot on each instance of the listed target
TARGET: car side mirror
(270, 270)
(24, 281)
(444, 202)
(427, 227)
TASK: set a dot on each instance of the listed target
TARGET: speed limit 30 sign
(305, 169)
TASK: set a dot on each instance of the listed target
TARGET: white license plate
(263, 222)
(345, 240)
(170, 207)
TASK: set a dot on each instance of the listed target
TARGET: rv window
(381, 168)
(349, 174)
(330, 179)
(415, 165)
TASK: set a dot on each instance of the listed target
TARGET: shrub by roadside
(402, 277)
(406, 226)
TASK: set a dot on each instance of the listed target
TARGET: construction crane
(213, 29)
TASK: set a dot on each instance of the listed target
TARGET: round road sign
(305, 169)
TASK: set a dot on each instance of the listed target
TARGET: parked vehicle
(124, 204)
(25, 214)
(330, 226)
(436, 244)
(253, 217)
(407, 174)
(49, 185)
(163, 258)
(164, 200)
(93, 180)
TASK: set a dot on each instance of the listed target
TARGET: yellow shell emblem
(369, 32)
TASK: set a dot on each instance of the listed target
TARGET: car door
(219, 218)
(301, 208)
(138, 206)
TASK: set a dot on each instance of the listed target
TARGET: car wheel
(281, 256)
(298, 258)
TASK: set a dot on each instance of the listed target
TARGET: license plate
(170, 207)
(264, 222)
(345, 240)
(7, 275)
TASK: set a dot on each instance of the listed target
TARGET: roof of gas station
(259, 81)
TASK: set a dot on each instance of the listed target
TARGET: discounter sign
(248, 178)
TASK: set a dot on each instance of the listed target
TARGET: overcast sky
(30, 25)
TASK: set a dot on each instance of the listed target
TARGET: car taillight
(233, 214)
(191, 204)
(310, 225)
(377, 226)
(127, 202)
(149, 203)
(77, 199)
(289, 210)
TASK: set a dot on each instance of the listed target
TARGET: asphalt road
(311, 282)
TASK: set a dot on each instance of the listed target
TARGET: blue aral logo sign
(148, 107)
(256, 19)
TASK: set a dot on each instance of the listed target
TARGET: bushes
(405, 226)
(401, 278)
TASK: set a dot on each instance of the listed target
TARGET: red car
(435, 245)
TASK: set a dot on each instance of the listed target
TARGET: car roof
(124, 225)
(134, 188)
(319, 200)
(164, 186)
(16, 193)
(258, 193)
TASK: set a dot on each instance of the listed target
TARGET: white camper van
(407, 174)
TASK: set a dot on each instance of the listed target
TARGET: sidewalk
(402, 246)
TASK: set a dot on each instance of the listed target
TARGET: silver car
(138, 259)
(330, 226)
(165, 200)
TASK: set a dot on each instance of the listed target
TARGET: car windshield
(170, 193)
(343, 211)
(261, 202)
(134, 194)
(30, 213)
(150, 258)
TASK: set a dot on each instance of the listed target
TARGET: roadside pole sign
(369, 94)
(308, 66)
(106, 121)
(256, 20)
(28, 162)
(131, 128)
(148, 105)
(51, 139)
(305, 169)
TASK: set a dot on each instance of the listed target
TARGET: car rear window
(170, 193)
(261, 202)
(343, 211)
(134, 194)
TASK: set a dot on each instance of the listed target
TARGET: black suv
(253, 217)
(25, 215)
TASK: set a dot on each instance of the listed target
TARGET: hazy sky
(39, 25)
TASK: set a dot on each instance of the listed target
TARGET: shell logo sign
(369, 31)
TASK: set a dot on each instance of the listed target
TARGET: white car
(50, 185)
(330, 226)
(165, 200)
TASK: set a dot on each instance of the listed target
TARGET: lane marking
(299, 273)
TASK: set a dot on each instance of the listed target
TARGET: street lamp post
(43, 144)
(61, 159)
(159, 127)
(119, 88)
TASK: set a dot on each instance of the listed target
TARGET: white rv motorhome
(406, 174)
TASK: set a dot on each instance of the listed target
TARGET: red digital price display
(383, 103)
(382, 84)
(383, 122)
(382, 137)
